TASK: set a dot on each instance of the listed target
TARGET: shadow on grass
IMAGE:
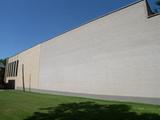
(91, 111)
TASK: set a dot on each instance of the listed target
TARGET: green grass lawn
(16, 105)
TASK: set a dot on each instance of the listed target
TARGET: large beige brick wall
(115, 55)
(30, 59)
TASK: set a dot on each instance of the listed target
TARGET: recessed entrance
(10, 84)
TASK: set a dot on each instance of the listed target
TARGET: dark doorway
(10, 84)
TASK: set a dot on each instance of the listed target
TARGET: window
(16, 72)
(153, 7)
(12, 69)
(8, 73)
(9, 69)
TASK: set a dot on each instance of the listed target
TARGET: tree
(158, 2)
(2, 72)
(3, 61)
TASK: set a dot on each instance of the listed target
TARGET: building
(113, 57)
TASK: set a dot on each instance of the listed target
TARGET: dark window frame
(150, 13)
(9, 65)
(12, 69)
(17, 64)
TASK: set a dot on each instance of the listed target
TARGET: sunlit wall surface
(118, 54)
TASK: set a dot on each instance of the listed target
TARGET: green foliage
(158, 2)
(3, 62)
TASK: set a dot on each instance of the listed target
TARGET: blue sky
(25, 23)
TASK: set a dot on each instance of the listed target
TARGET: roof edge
(85, 23)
